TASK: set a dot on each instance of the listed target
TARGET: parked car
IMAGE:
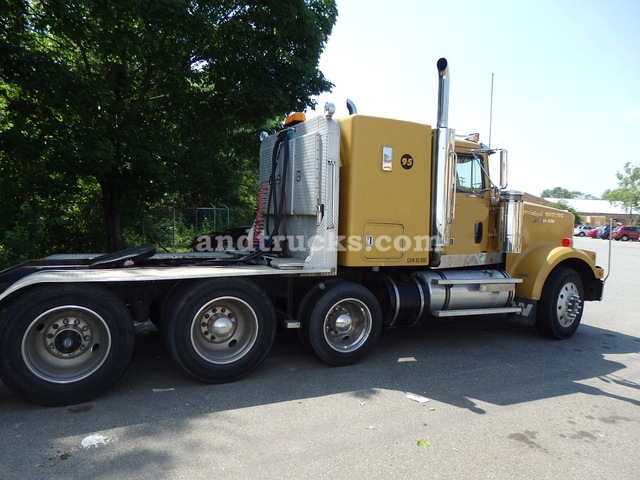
(626, 233)
(603, 232)
(592, 233)
(615, 229)
(581, 230)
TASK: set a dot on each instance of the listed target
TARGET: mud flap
(528, 314)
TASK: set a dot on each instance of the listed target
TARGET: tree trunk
(111, 201)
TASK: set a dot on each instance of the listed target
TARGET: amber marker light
(294, 119)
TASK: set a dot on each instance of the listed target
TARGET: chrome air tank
(410, 299)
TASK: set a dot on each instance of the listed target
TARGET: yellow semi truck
(362, 223)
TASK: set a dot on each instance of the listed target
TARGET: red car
(626, 233)
(592, 233)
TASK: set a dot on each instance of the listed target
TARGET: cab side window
(469, 175)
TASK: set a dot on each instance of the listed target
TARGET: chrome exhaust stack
(443, 171)
(443, 93)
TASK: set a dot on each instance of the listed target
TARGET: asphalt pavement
(471, 398)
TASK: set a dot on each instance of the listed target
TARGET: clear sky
(566, 101)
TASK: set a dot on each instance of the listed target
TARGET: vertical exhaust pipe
(443, 171)
(443, 93)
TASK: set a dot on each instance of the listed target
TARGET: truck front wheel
(65, 344)
(219, 330)
(560, 308)
(344, 324)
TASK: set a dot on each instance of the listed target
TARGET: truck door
(470, 230)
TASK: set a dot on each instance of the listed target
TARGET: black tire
(219, 330)
(624, 238)
(560, 308)
(65, 344)
(306, 305)
(344, 324)
(581, 234)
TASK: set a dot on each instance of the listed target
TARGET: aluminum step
(477, 281)
(475, 311)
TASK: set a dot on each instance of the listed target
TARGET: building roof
(592, 206)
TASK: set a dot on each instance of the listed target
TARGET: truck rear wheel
(306, 305)
(65, 344)
(560, 308)
(219, 330)
(344, 324)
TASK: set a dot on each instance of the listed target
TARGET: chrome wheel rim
(347, 325)
(224, 330)
(569, 304)
(66, 344)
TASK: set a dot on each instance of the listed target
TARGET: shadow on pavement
(457, 362)
(488, 359)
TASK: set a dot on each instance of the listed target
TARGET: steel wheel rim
(569, 304)
(66, 344)
(347, 325)
(224, 330)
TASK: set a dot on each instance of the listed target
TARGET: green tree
(628, 192)
(149, 100)
(564, 205)
(559, 192)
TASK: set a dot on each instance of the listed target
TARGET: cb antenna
(491, 110)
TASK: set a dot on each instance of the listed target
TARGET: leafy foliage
(559, 192)
(564, 205)
(628, 192)
(107, 108)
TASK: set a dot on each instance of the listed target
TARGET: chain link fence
(175, 228)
